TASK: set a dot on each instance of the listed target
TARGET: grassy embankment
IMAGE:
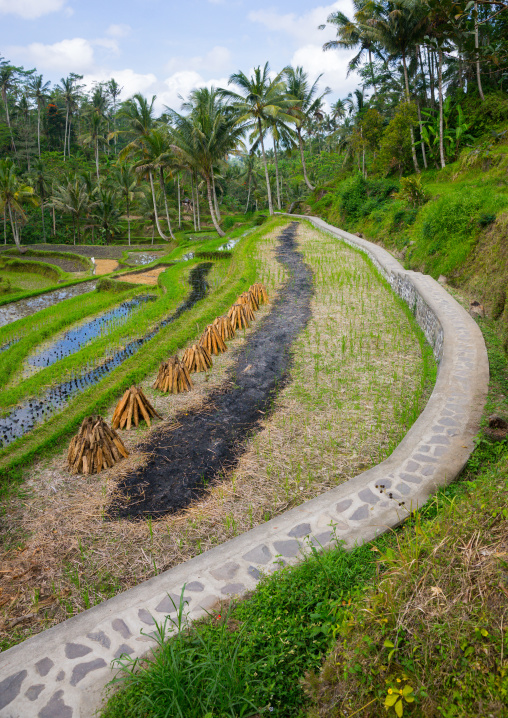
(420, 610)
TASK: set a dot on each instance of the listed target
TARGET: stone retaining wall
(61, 672)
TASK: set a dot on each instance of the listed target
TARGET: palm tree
(106, 210)
(41, 181)
(39, 91)
(126, 183)
(304, 105)
(259, 99)
(353, 34)
(72, 199)
(156, 155)
(69, 91)
(114, 91)
(8, 81)
(205, 137)
(12, 195)
(398, 26)
(94, 137)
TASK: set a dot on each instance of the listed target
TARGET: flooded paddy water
(26, 307)
(23, 418)
(74, 339)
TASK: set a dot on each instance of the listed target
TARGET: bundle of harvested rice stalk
(197, 358)
(238, 316)
(173, 377)
(133, 407)
(224, 327)
(259, 291)
(212, 341)
(249, 299)
(247, 308)
(94, 447)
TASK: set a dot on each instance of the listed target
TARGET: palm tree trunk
(421, 136)
(5, 226)
(128, 221)
(7, 116)
(198, 214)
(69, 137)
(276, 171)
(42, 216)
(300, 142)
(248, 193)
(440, 90)
(179, 204)
(163, 188)
(413, 148)
(97, 158)
(14, 229)
(268, 189)
(159, 230)
(215, 203)
(422, 70)
(39, 129)
(65, 133)
(193, 203)
(54, 222)
(476, 44)
(372, 73)
(219, 231)
(430, 63)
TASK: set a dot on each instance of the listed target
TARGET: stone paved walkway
(61, 673)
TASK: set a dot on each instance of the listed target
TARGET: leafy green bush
(412, 191)
(447, 228)
(228, 222)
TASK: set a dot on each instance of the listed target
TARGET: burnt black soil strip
(31, 412)
(209, 441)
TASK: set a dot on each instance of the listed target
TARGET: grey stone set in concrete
(62, 672)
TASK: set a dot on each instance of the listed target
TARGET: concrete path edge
(62, 672)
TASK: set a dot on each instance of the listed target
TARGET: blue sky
(166, 47)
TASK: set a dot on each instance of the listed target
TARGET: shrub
(228, 222)
(412, 191)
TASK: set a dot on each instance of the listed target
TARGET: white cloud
(30, 9)
(130, 81)
(76, 55)
(332, 64)
(119, 30)
(217, 59)
(302, 28)
(180, 84)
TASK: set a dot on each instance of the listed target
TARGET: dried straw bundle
(173, 377)
(249, 299)
(259, 291)
(94, 447)
(238, 316)
(133, 407)
(212, 341)
(197, 358)
(247, 308)
(224, 327)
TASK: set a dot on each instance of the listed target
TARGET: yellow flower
(398, 680)
(390, 691)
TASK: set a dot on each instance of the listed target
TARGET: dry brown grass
(105, 266)
(357, 363)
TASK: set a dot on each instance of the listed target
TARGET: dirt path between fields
(208, 441)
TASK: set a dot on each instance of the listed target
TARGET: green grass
(379, 610)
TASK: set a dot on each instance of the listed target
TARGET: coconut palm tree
(8, 81)
(127, 185)
(38, 89)
(106, 210)
(41, 182)
(72, 199)
(13, 193)
(155, 156)
(304, 105)
(70, 92)
(258, 99)
(205, 137)
(398, 26)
